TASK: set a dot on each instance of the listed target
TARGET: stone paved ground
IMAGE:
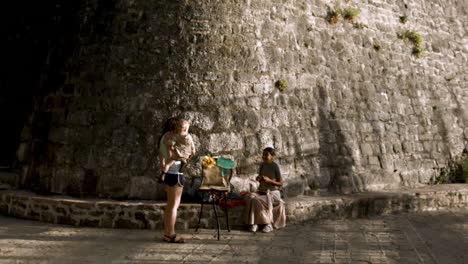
(430, 237)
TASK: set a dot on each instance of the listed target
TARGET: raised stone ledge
(149, 214)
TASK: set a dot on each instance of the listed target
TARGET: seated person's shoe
(267, 229)
(253, 228)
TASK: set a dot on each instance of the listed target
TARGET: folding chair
(215, 181)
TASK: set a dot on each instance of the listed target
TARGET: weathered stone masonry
(352, 119)
(149, 214)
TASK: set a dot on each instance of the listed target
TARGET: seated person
(265, 207)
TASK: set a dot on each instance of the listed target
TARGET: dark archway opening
(35, 34)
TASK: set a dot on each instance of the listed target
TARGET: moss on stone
(418, 52)
(282, 85)
(417, 41)
(414, 37)
(403, 19)
(359, 25)
(377, 46)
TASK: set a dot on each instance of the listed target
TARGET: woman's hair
(270, 150)
(170, 125)
(180, 123)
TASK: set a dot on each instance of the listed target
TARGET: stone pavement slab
(427, 237)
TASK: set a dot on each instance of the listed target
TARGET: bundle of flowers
(208, 162)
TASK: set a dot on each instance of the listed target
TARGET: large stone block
(294, 187)
(144, 188)
(225, 142)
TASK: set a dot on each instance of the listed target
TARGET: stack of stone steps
(149, 214)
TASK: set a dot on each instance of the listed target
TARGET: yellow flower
(208, 162)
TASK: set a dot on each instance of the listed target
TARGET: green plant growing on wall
(442, 178)
(414, 37)
(455, 172)
(463, 170)
(313, 186)
(359, 25)
(333, 16)
(282, 85)
(417, 41)
(377, 46)
(418, 52)
(403, 19)
(351, 14)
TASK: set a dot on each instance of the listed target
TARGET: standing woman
(173, 183)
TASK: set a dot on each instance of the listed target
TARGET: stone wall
(109, 213)
(149, 214)
(354, 117)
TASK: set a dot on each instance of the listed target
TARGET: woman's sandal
(173, 239)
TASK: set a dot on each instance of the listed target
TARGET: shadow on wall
(57, 28)
(28, 35)
(336, 161)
